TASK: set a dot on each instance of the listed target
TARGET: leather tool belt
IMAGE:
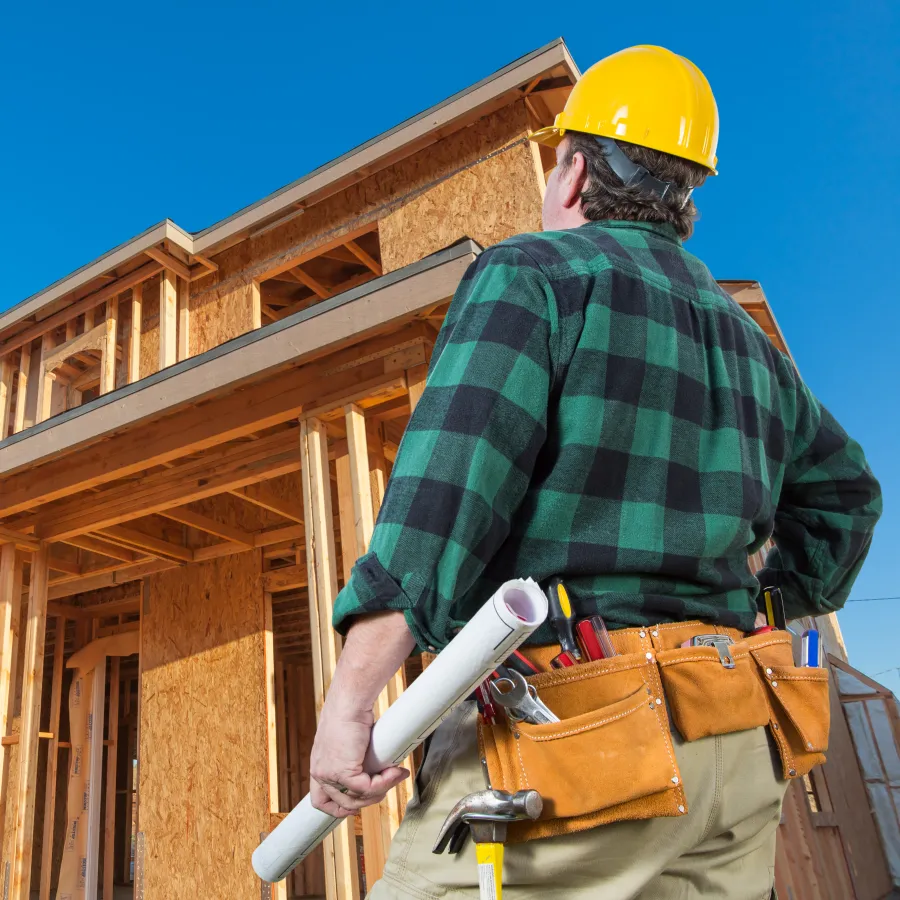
(610, 757)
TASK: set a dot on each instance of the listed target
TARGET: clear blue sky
(115, 116)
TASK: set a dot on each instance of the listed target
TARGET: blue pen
(809, 653)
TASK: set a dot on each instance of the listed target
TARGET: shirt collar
(662, 230)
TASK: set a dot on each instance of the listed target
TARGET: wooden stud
(255, 306)
(108, 354)
(6, 382)
(346, 516)
(415, 384)
(32, 681)
(359, 475)
(184, 319)
(134, 333)
(364, 257)
(262, 496)
(168, 320)
(50, 797)
(112, 755)
(22, 388)
(341, 873)
(293, 701)
(10, 598)
(282, 799)
(156, 546)
(89, 318)
(95, 771)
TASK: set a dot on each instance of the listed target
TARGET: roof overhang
(384, 303)
(456, 112)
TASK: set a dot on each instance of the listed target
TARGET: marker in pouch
(810, 650)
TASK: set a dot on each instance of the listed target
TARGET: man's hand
(375, 648)
(339, 786)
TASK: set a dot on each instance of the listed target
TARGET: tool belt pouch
(712, 692)
(609, 759)
(799, 709)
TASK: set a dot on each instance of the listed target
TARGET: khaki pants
(723, 848)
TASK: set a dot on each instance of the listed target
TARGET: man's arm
(829, 504)
(462, 470)
(375, 648)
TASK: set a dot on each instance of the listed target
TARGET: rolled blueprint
(497, 629)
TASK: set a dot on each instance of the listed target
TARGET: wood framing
(22, 387)
(109, 823)
(134, 333)
(10, 580)
(50, 798)
(26, 789)
(108, 359)
(341, 876)
(168, 320)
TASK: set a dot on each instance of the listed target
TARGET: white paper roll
(497, 629)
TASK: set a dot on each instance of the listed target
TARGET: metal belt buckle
(721, 642)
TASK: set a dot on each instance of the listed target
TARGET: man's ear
(574, 181)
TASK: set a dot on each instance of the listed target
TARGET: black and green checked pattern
(598, 408)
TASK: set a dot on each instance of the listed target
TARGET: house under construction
(195, 435)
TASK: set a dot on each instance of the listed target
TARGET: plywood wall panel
(203, 759)
(150, 328)
(489, 202)
(222, 313)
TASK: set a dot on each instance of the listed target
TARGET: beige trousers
(723, 849)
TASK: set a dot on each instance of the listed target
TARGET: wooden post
(415, 384)
(134, 333)
(45, 384)
(59, 641)
(184, 319)
(33, 675)
(95, 773)
(6, 381)
(112, 758)
(22, 389)
(168, 319)
(108, 353)
(255, 306)
(272, 743)
(10, 603)
(341, 874)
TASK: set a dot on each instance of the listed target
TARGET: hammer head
(486, 814)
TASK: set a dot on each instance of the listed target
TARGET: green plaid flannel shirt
(598, 408)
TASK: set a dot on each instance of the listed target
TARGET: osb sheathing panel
(150, 328)
(489, 202)
(203, 761)
(361, 204)
(221, 314)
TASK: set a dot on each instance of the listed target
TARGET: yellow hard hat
(643, 95)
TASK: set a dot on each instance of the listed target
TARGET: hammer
(486, 814)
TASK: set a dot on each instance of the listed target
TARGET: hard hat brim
(550, 136)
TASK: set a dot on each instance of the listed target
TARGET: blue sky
(118, 115)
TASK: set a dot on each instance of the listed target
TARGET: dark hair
(605, 197)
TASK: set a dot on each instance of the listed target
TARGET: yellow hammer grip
(490, 870)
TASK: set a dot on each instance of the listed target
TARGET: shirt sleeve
(829, 504)
(466, 459)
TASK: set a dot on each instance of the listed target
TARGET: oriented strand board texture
(489, 202)
(203, 761)
(150, 328)
(218, 315)
(366, 202)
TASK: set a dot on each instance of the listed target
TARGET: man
(598, 409)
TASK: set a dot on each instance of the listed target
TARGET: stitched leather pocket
(799, 706)
(706, 698)
(610, 757)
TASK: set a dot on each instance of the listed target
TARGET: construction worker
(598, 409)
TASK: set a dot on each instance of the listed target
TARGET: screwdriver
(562, 618)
